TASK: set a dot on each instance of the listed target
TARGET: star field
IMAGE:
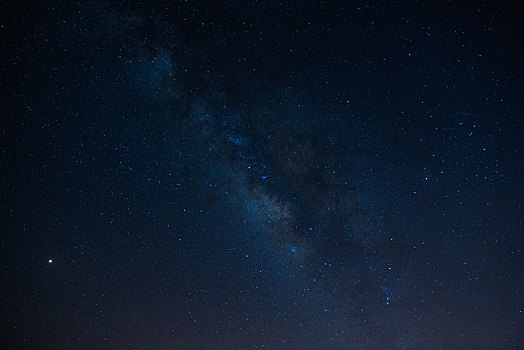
(261, 175)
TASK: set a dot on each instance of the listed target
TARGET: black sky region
(261, 175)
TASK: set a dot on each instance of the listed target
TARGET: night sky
(261, 175)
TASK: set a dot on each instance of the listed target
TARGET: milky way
(261, 175)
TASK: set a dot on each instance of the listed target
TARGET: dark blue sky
(261, 175)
